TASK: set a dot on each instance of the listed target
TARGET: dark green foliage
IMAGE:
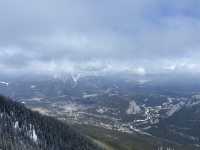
(183, 127)
(19, 125)
(115, 140)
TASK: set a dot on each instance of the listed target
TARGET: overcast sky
(141, 36)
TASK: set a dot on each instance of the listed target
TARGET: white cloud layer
(74, 35)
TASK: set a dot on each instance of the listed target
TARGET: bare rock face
(133, 108)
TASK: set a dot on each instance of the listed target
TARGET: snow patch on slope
(4, 83)
(34, 136)
(16, 125)
(175, 108)
(85, 96)
(32, 133)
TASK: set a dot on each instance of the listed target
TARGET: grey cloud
(80, 32)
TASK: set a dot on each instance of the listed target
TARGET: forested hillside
(22, 129)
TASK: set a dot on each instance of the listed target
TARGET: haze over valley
(113, 75)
